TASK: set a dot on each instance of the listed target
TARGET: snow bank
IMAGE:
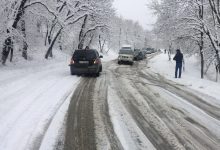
(111, 55)
(32, 93)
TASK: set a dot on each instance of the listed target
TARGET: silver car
(126, 56)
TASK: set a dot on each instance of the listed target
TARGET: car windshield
(84, 54)
(123, 51)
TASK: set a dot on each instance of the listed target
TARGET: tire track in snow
(153, 128)
(184, 93)
(200, 138)
(80, 130)
(106, 136)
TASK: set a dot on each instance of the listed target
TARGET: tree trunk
(45, 42)
(7, 48)
(18, 16)
(50, 33)
(60, 42)
(12, 54)
(81, 34)
(49, 51)
(119, 41)
(201, 10)
(101, 45)
(217, 72)
(91, 39)
(216, 47)
(218, 59)
(25, 46)
(216, 14)
(169, 51)
(202, 60)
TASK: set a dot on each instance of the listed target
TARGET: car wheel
(131, 63)
(119, 62)
(98, 74)
(71, 72)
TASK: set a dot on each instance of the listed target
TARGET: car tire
(71, 72)
(97, 74)
(119, 62)
(131, 63)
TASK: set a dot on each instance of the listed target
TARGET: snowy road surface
(132, 108)
(126, 108)
(30, 98)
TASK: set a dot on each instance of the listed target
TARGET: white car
(127, 47)
(126, 56)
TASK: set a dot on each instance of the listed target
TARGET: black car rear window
(85, 54)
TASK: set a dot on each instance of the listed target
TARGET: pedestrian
(179, 61)
(165, 51)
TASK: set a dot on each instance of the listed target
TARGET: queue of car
(127, 55)
(88, 61)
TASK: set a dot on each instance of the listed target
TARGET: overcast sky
(136, 10)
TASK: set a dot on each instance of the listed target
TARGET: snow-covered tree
(190, 25)
(55, 17)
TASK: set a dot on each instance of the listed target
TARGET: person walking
(179, 62)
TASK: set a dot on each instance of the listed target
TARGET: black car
(147, 50)
(86, 62)
(139, 54)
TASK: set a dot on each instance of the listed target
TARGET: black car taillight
(72, 61)
(97, 61)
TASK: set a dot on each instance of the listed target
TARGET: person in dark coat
(179, 62)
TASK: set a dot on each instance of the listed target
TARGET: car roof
(86, 50)
(126, 45)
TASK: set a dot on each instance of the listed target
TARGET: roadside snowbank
(111, 55)
(32, 93)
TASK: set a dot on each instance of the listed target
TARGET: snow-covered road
(126, 108)
(30, 98)
(134, 108)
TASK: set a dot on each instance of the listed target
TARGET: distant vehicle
(126, 55)
(136, 52)
(154, 50)
(148, 50)
(86, 62)
(139, 54)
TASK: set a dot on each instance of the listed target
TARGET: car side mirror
(100, 56)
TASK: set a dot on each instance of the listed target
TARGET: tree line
(66, 24)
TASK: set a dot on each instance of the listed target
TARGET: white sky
(136, 10)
